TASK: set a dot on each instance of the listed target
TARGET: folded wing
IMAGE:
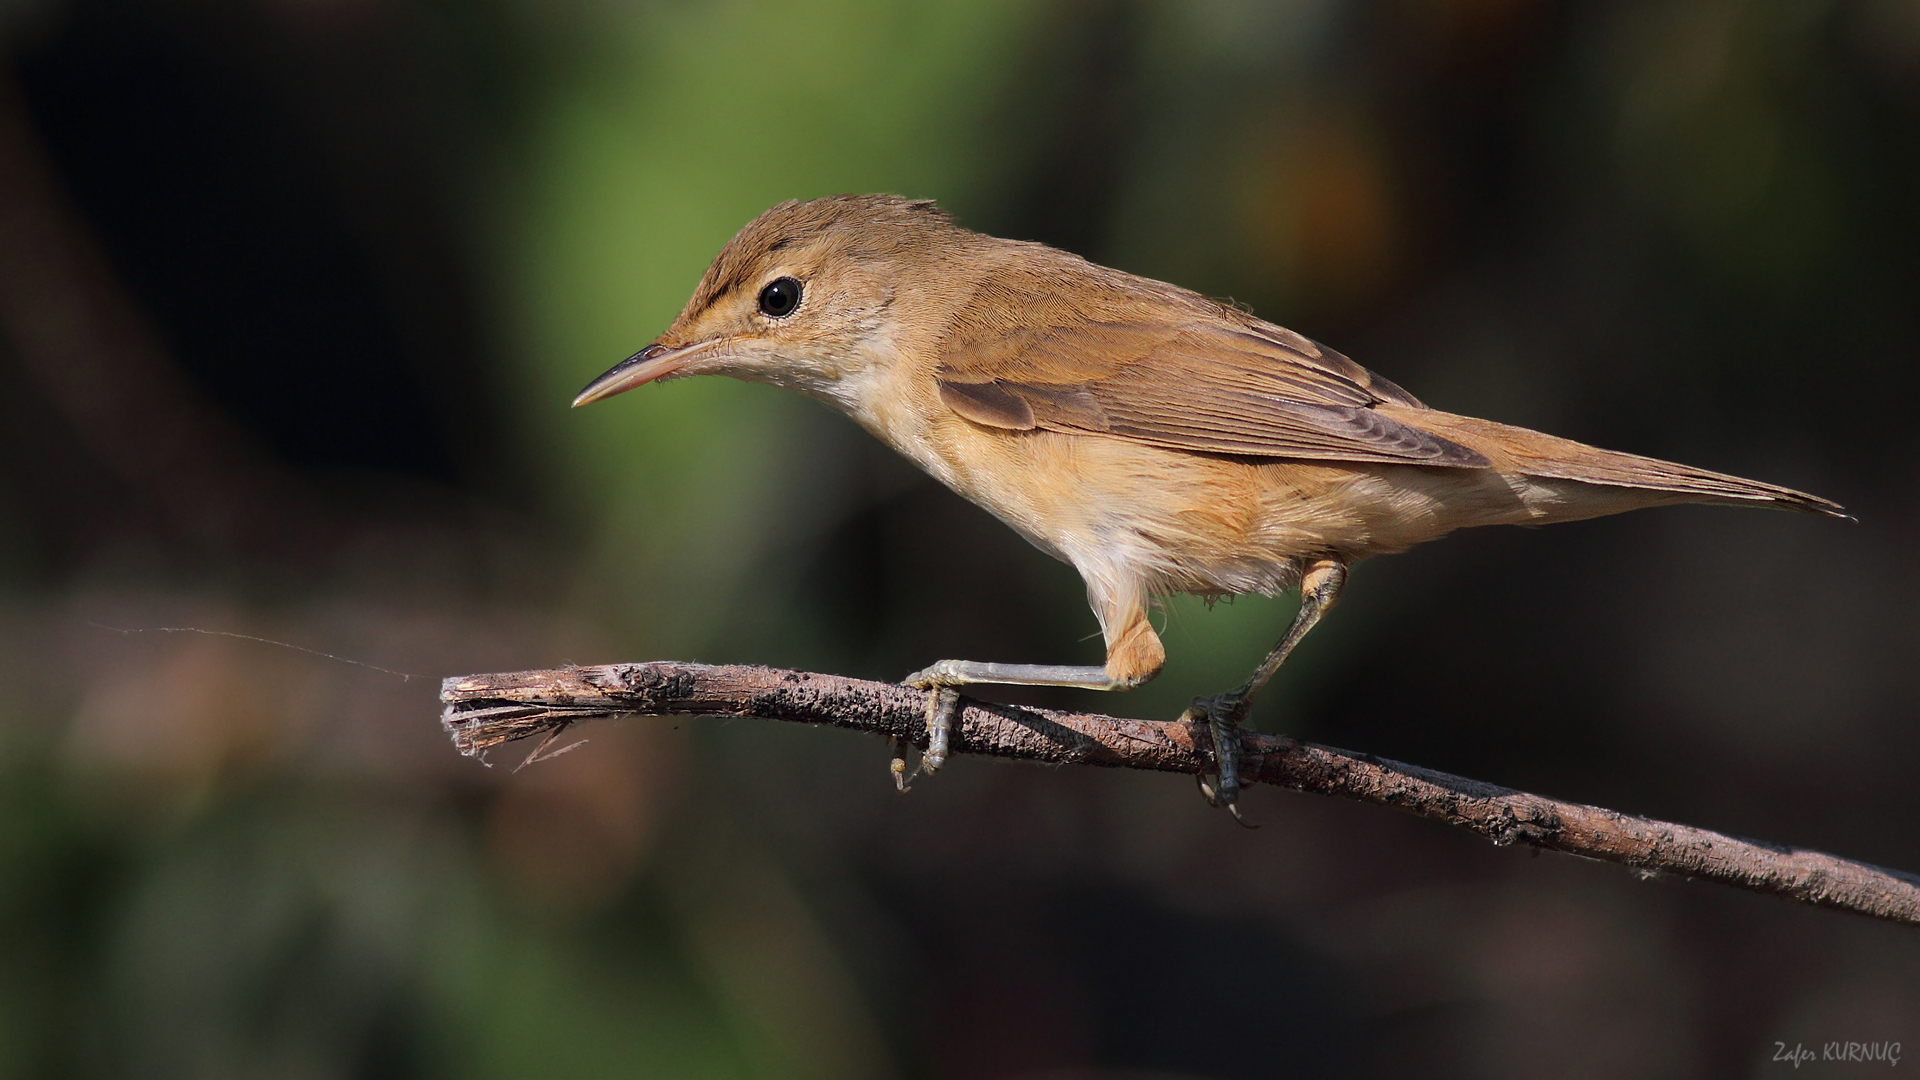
(1200, 379)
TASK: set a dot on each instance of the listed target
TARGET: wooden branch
(483, 711)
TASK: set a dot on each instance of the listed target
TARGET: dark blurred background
(293, 296)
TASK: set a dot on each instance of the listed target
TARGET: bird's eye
(779, 298)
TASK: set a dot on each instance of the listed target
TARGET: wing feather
(1196, 381)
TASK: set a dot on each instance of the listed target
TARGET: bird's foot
(942, 700)
(1223, 714)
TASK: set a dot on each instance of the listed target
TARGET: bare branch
(483, 711)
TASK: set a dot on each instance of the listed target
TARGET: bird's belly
(1170, 521)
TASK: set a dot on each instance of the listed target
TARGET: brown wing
(1195, 382)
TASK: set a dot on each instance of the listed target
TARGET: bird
(1156, 440)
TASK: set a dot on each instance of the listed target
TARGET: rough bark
(483, 711)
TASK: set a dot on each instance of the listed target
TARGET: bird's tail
(1530, 453)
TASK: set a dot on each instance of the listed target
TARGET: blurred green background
(293, 297)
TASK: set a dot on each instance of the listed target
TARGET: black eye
(780, 297)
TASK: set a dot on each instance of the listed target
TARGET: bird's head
(800, 298)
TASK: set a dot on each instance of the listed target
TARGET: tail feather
(1615, 469)
(1530, 453)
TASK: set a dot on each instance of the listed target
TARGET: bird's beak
(656, 361)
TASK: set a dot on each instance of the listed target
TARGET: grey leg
(1319, 588)
(966, 672)
(941, 677)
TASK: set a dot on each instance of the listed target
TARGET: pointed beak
(656, 361)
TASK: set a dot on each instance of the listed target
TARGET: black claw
(1222, 714)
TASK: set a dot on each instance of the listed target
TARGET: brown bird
(1158, 441)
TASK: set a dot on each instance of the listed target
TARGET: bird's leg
(940, 679)
(1320, 587)
(1134, 655)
